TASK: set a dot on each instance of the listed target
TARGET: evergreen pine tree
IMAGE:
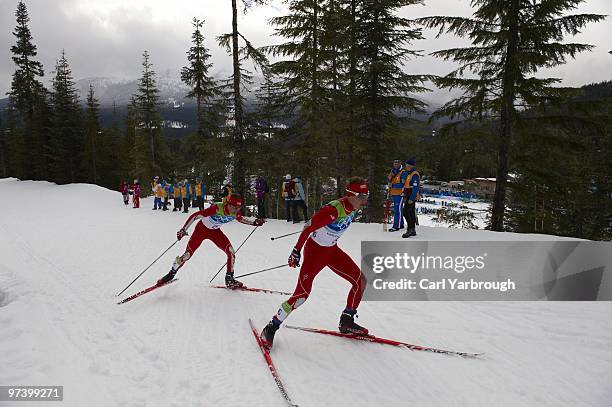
(148, 115)
(119, 157)
(93, 139)
(66, 141)
(196, 75)
(239, 78)
(24, 142)
(299, 74)
(384, 88)
(511, 41)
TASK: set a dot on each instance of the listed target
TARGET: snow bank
(66, 250)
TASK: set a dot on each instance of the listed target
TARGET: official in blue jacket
(412, 188)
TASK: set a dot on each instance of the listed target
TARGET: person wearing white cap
(288, 192)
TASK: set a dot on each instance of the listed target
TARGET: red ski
(255, 290)
(376, 339)
(146, 290)
(271, 366)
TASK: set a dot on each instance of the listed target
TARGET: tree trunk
(510, 77)
(239, 170)
(352, 88)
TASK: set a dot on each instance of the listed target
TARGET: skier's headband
(361, 191)
(235, 201)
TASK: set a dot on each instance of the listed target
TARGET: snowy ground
(66, 250)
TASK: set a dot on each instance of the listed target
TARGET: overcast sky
(106, 38)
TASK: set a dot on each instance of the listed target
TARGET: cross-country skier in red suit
(209, 227)
(319, 239)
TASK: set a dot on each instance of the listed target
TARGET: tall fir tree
(347, 92)
(149, 118)
(93, 139)
(147, 103)
(240, 77)
(299, 72)
(511, 41)
(119, 151)
(24, 142)
(136, 144)
(384, 88)
(196, 75)
(66, 141)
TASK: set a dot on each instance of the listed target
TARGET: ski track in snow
(65, 251)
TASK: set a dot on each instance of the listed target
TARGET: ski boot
(231, 282)
(165, 279)
(409, 233)
(267, 335)
(348, 326)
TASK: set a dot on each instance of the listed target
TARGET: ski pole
(261, 271)
(154, 261)
(225, 264)
(288, 234)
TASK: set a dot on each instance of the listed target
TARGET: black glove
(259, 222)
(294, 259)
(181, 233)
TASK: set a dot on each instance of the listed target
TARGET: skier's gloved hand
(294, 259)
(181, 233)
(259, 222)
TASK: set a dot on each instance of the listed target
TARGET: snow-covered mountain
(120, 91)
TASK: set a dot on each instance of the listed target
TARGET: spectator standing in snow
(170, 193)
(411, 195)
(396, 180)
(136, 196)
(185, 191)
(158, 193)
(178, 196)
(125, 191)
(288, 192)
(199, 193)
(194, 202)
(165, 185)
(299, 201)
(261, 189)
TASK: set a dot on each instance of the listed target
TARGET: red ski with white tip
(146, 290)
(254, 290)
(271, 366)
(376, 339)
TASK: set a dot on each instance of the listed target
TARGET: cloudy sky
(106, 38)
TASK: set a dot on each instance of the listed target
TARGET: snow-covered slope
(66, 250)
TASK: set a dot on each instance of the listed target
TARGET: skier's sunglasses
(361, 196)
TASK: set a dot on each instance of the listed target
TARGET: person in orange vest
(159, 193)
(185, 191)
(178, 196)
(199, 193)
(412, 194)
(396, 180)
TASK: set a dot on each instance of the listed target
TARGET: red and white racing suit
(322, 251)
(209, 227)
